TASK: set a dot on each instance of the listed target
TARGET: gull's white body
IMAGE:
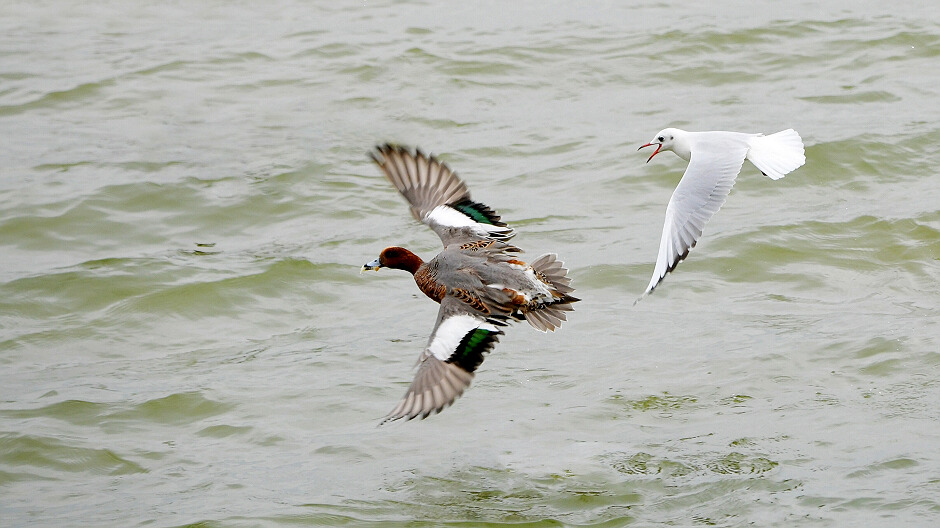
(715, 159)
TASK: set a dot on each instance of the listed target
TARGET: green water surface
(186, 201)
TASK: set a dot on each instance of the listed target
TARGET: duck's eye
(661, 139)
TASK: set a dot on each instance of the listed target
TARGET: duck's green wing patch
(478, 212)
(469, 352)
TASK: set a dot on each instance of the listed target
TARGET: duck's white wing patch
(459, 220)
(701, 192)
(438, 197)
(452, 331)
(445, 368)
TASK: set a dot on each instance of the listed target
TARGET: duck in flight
(478, 278)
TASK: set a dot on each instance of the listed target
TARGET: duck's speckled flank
(429, 285)
(471, 300)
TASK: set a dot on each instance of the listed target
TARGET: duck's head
(395, 257)
(666, 139)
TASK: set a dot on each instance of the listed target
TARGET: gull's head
(665, 140)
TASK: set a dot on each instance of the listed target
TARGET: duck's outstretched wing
(438, 197)
(701, 192)
(455, 349)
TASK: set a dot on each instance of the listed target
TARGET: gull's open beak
(658, 146)
(372, 266)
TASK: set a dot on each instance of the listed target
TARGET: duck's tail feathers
(553, 272)
(548, 316)
(777, 154)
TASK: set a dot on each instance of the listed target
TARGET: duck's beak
(372, 266)
(658, 146)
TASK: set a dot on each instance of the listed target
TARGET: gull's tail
(777, 154)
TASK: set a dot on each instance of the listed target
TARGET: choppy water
(185, 202)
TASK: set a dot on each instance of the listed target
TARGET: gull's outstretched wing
(713, 167)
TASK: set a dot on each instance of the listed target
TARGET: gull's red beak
(658, 146)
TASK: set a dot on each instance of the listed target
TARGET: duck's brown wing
(455, 349)
(438, 198)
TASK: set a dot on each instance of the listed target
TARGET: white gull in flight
(715, 159)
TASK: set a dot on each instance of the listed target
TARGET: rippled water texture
(185, 202)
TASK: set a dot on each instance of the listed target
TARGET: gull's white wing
(716, 160)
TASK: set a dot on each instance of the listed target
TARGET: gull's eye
(661, 139)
